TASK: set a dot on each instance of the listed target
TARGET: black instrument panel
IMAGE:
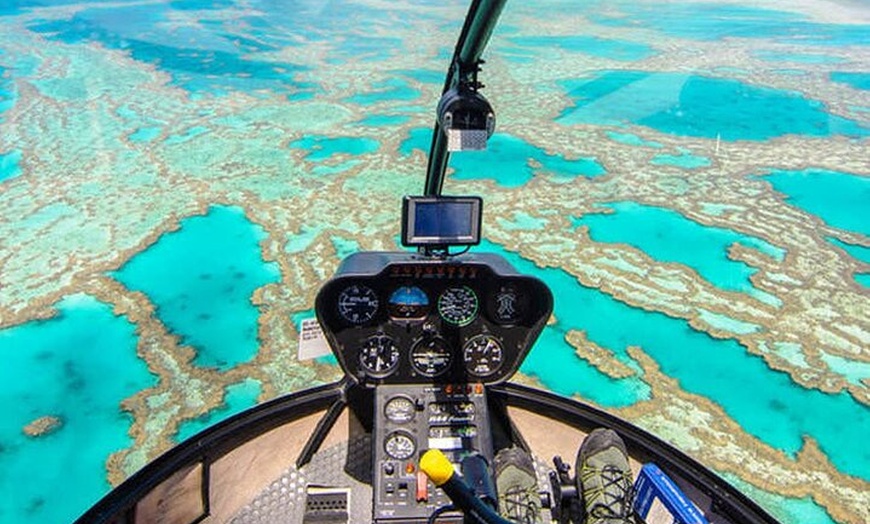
(396, 318)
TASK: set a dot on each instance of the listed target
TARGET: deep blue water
(77, 366)
(699, 106)
(201, 278)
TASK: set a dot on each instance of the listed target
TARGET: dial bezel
(472, 299)
(446, 352)
(469, 346)
(396, 434)
(394, 359)
(343, 311)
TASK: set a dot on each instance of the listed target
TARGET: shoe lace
(616, 495)
(519, 505)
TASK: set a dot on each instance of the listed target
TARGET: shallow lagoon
(201, 278)
(839, 199)
(698, 106)
(78, 366)
(663, 234)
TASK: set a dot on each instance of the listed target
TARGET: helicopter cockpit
(429, 333)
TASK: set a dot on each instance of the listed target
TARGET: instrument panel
(394, 318)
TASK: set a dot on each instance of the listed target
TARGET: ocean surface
(176, 177)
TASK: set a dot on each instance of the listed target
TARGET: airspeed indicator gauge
(458, 306)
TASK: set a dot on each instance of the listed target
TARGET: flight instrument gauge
(400, 410)
(379, 356)
(357, 304)
(400, 445)
(458, 306)
(430, 357)
(483, 355)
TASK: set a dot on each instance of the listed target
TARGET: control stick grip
(440, 471)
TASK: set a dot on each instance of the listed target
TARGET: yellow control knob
(436, 466)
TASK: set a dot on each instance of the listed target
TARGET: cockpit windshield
(690, 178)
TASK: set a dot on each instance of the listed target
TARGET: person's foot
(604, 478)
(517, 486)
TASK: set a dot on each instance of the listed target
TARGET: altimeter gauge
(483, 355)
(379, 356)
(400, 445)
(458, 305)
(357, 304)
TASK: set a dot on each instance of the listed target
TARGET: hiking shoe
(604, 478)
(517, 486)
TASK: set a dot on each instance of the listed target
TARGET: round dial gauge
(400, 445)
(408, 302)
(431, 356)
(458, 306)
(483, 355)
(379, 355)
(357, 304)
(399, 410)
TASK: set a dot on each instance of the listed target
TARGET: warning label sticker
(312, 342)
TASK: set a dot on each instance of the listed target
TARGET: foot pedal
(326, 504)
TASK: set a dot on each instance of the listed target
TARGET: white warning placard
(312, 342)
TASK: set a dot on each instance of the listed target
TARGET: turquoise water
(384, 120)
(665, 235)
(506, 160)
(766, 403)
(321, 148)
(840, 199)
(9, 165)
(425, 76)
(685, 160)
(601, 47)
(77, 366)
(632, 140)
(201, 278)
(239, 397)
(145, 134)
(722, 21)
(394, 89)
(699, 106)
(858, 253)
(199, 58)
(803, 510)
(802, 58)
(856, 80)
